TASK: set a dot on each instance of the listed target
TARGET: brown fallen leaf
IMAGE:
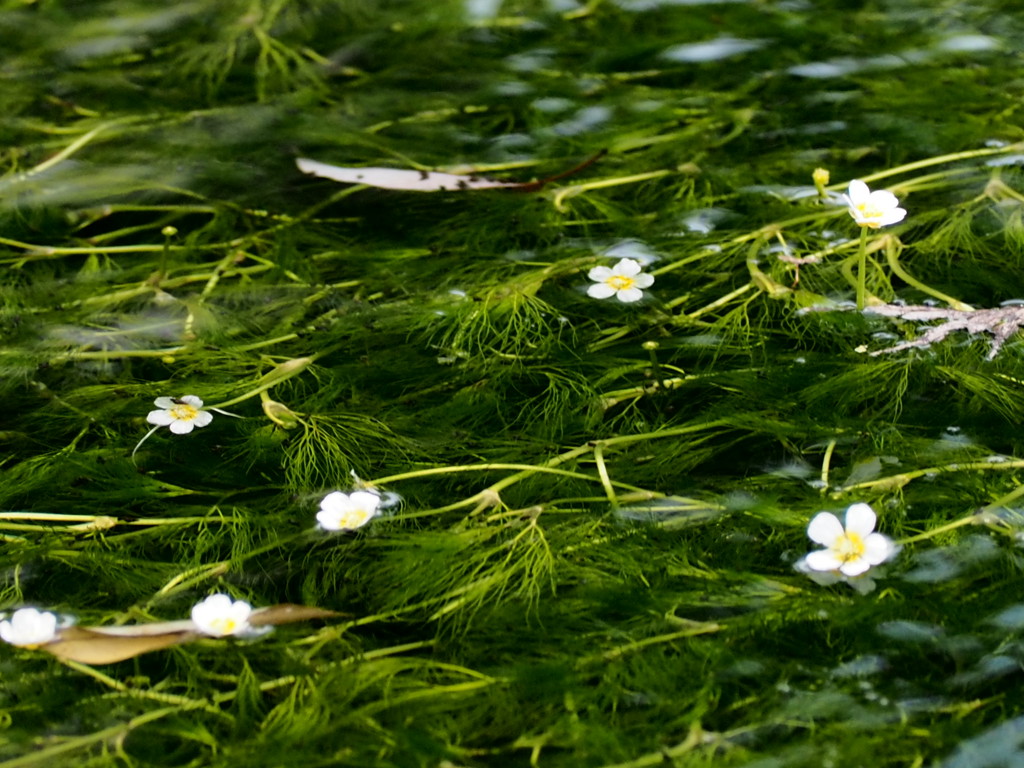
(106, 645)
(97, 645)
(286, 613)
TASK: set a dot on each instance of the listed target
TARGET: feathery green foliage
(591, 509)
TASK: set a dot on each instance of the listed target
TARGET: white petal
(164, 402)
(860, 518)
(822, 560)
(202, 418)
(335, 502)
(877, 548)
(29, 626)
(212, 605)
(894, 216)
(858, 192)
(825, 578)
(643, 281)
(883, 199)
(181, 427)
(825, 528)
(160, 418)
(600, 274)
(627, 267)
(854, 567)
(600, 291)
(219, 615)
(240, 611)
(191, 400)
(330, 520)
(630, 295)
(365, 500)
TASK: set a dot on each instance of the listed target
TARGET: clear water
(593, 509)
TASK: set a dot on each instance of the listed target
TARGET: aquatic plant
(592, 562)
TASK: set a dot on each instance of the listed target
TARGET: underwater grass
(591, 509)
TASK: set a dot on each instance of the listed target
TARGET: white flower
(872, 209)
(851, 549)
(623, 281)
(29, 627)
(181, 414)
(347, 511)
(219, 615)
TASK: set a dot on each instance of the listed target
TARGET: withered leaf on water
(424, 181)
(1000, 323)
(106, 645)
(286, 613)
(93, 645)
(397, 178)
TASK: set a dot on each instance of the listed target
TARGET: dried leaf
(96, 646)
(106, 645)
(1001, 323)
(426, 181)
(397, 178)
(286, 613)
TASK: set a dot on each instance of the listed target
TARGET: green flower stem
(892, 251)
(491, 495)
(68, 151)
(188, 579)
(564, 193)
(1006, 499)
(602, 472)
(281, 373)
(894, 482)
(692, 629)
(696, 740)
(969, 520)
(862, 268)
(722, 301)
(184, 702)
(176, 282)
(764, 233)
(826, 462)
(108, 735)
(943, 159)
(119, 354)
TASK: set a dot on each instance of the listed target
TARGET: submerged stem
(862, 268)
(892, 252)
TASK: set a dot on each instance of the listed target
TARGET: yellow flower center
(620, 282)
(224, 626)
(867, 211)
(849, 546)
(184, 412)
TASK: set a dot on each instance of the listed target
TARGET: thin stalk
(862, 268)
(892, 250)
(119, 731)
(825, 464)
(894, 482)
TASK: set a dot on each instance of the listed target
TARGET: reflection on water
(597, 509)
